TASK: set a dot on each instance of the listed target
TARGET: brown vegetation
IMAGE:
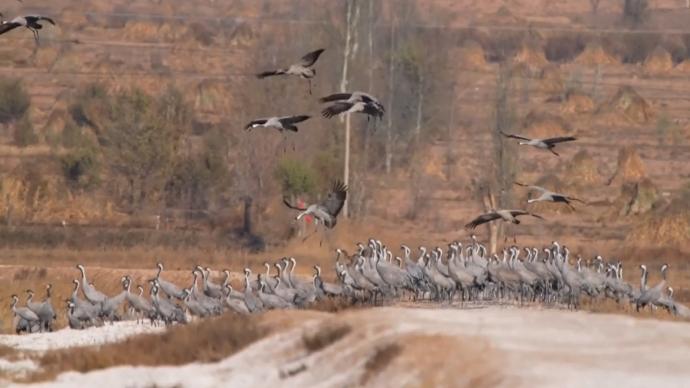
(209, 340)
(630, 167)
(583, 170)
(630, 104)
(324, 335)
(382, 357)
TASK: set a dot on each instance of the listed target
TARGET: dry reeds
(209, 340)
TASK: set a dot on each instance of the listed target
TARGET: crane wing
(291, 206)
(532, 187)
(336, 199)
(516, 213)
(336, 97)
(556, 140)
(293, 119)
(513, 136)
(309, 59)
(270, 73)
(5, 27)
(482, 219)
(336, 109)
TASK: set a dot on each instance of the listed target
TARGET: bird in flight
(31, 22)
(354, 97)
(327, 210)
(367, 108)
(304, 68)
(543, 144)
(505, 215)
(279, 123)
(550, 196)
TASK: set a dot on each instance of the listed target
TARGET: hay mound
(668, 225)
(636, 198)
(551, 80)
(577, 102)
(594, 54)
(628, 103)
(541, 125)
(658, 61)
(531, 57)
(472, 56)
(583, 170)
(630, 168)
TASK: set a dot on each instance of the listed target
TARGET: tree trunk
(391, 94)
(489, 205)
(420, 105)
(352, 18)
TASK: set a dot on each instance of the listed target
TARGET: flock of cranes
(464, 273)
(371, 275)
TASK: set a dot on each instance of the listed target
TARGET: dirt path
(471, 347)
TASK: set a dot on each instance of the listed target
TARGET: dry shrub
(551, 80)
(472, 56)
(326, 334)
(668, 226)
(583, 170)
(332, 305)
(630, 104)
(594, 54)
(630, 168)
(658, 61)
(542, 125)
(576, 103)
(209, 340)
(564, 48)
(636, 198)
(382, 357)
(532, 57)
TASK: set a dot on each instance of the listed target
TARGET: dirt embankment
(475, 347)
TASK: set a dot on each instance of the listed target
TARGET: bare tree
(497, 191)
(351, 44)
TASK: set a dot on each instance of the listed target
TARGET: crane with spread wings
(327, 210)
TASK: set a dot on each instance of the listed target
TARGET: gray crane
(328, 288)
(31, 22)
(167, 311)
(141, 305)
(235, 302)
(91, 293)
(211, 289)
(194, 306)
(44, 309)
(653, 295)
(327, 210)
(110, 306)
(550, 196)
(170, 289)
(23, 313)
(354, 97)
(505, 215)
(271, 301)
(367, 108)
(84, 309)
(284, 123)
(543, 144)
(254, 304)
(304, 68)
